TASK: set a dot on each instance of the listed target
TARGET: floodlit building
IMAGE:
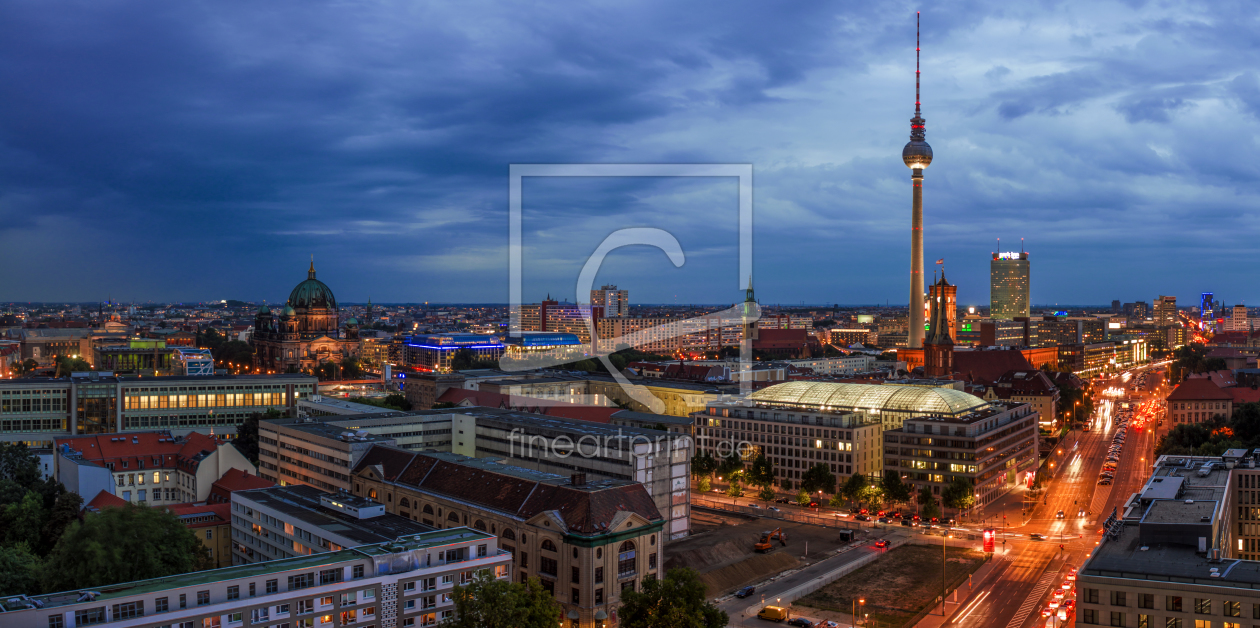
(1166, 311)
(435, 352)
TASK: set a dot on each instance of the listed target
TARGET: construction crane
(766, 543)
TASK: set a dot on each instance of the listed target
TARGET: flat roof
(300, 503)
(410, 542)
(1176, 511)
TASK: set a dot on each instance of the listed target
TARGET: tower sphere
(917, 154)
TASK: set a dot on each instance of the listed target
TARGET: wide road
(1015, 593)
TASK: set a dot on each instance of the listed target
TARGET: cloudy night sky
(186, 151)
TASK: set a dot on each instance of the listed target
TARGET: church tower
(938, 346)
(750, 314)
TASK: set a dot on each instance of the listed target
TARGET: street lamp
(943, 537)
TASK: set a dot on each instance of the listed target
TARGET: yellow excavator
(768, 537)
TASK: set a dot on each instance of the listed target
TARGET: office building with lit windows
(435, 352)
(1008, 286)
(994, 447)
(406, 582)
(38, 410)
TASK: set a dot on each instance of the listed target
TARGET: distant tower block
(917, 155)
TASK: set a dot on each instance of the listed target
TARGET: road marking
(1033, 600)
(971, 608)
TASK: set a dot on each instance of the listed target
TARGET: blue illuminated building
(435, 352)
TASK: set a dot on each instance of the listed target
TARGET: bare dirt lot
(721, 549)
(899, 585)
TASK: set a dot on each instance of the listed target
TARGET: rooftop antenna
(1021, 245)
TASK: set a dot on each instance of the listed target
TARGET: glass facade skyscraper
(1008, 286)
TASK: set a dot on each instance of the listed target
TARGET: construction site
(731, 550)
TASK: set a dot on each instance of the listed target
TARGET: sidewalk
(978, 580)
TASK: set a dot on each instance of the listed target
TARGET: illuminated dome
(918, 400)
(917, 154)
(288, 311)
(312, 294)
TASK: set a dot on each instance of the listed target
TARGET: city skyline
(1094, 131)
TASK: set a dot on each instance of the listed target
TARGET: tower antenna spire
(916, 63)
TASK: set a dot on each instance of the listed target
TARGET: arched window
(548, 545)
(599, 553)
(453, 517)
(509, 534)
(626, 563)
(653, 541)
(428, 510)
(480, 525)
(404, 503)
(371, 493)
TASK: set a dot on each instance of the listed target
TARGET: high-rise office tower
(1008, 286)
(615, 302)
(917, 155)
(1165, 311)
(1206, 310)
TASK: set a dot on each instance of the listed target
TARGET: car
(753, 506)
(1059, 594)
(861, 517)
(896, 515)
(812, 505)
(881, 514)
(927, 526)
(881, 544)
(884, 520)
(1069, 605)
(1059, 515)
(1054, 603)
(782, 500)
(829, 624)
(801, 622)
(1104, 482)
(745, 592)
(1037, 536)
(1067, 585)
(1046, 612)
(775, 509)
(908, 523)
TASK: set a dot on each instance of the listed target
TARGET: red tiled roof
(1197, 390)
(987, 366)
(584, 511)
(105, 499)
(1244, 394)
(235, 480)
(158, 450)
(1023, 383)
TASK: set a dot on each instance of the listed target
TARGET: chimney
(578, 479)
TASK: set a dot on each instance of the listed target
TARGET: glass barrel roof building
(890, 404)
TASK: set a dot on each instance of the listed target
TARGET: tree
(464, 360)
(802, 498)
(761, 471)
(246, 440)
(350, 367)
(766, 493)
(872, 494)
(735, 489)
(927, 503)
(21, 369)
(895, 490)
(489, 602)
(786, 484)
(64, 512)
(398, 400)
(853, 487)
(122, 544)
(22, 521)
(960, 494)
(67, 365)
(730, 465)
(705, 484)
(675, 601)
(233, 351)
(818, 478)
(836, 501)
(19, 570)
(703, 464)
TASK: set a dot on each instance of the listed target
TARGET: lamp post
(943, 537)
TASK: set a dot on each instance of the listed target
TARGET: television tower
(917, 155)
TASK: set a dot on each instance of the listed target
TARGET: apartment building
(586, 541)
(288, 521)
(406, 582)
(1031, 387)
(845, 365)
(994, 447)
(150, 468)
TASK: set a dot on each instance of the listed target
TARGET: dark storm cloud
(204, 150)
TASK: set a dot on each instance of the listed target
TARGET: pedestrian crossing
(1101, 495)
(1034, 598)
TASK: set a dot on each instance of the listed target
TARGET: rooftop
(829, 395)
(412, 542)
(301, 503)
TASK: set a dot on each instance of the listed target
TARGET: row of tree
(46, 544)
(1214, 436)
(676, 601)
(818, 479)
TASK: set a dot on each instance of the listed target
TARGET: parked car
(881, 544)
(775, 509)
(745, 592)
(884, 520)
(861, 517)
(753, 506)
(801, 622)
(908, 523)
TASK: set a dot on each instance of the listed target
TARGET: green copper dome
(312, 293)
(264, 309)
(352, 321)
(288, 311)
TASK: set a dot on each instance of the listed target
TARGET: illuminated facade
(1166, 311)
(306, 332)
(615, 302)
(435, 352)
(1008, 286)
